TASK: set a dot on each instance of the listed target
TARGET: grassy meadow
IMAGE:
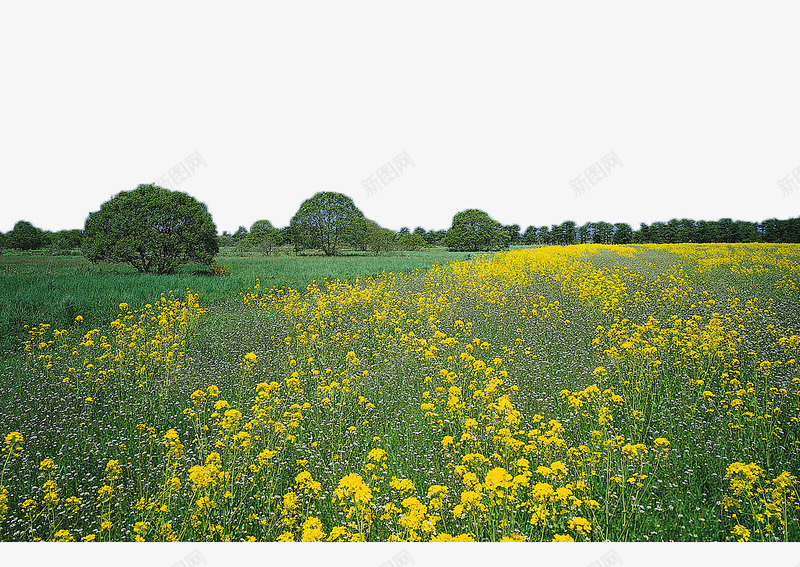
(580, 393)
(39, 288)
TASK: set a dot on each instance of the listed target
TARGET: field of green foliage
(579, 393)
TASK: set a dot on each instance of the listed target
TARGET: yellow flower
(200, 476)
(563, 493)
(47, 465)
(497, 478)
(471, 501)
(72, 504)
(353, 486)
(104, 493)
(402, 485)
(29, 506)
(336, 533)
(543, 491)
(562, 537)
(289, 501)
(113, 470)
(741, 533)
(265, 456)
(251, 357)
(63, 535)
(377, 455)
(633, 451)
(231, 416)
(243, 438)
(312, 530)
(140, 528)
(580, 525)
(204, 504)
(305, 482)
(123, 307)
(448, 537)
(13, 442)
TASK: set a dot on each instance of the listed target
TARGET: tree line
(155, 229)
(673, 231)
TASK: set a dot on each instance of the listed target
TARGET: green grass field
(37, 288)
(582, 393)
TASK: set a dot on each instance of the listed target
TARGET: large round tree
(25, 236)
(151, 228)
(326, 221)
(474, 230)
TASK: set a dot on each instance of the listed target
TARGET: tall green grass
(39, 288)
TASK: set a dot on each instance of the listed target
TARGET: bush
(474, 230)
(326, 221)
(411, 241)
(151, 228)
(25, 236)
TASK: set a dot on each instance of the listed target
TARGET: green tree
(513, 233)
(225, 240)
(568, 230)
(286, 235)
(326, 221)
(585, 233)
(475, 230)
(410, 241)
(623, 233)
(529, 237)
(643, 234)
(603, 231)
(435, 237)
(67, 239)
(379, 239)
(240, 234)
(543, 235)
(151, 228)
(556, 235)
(25, 236)
(264, 236)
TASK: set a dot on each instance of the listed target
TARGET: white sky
(500, 105)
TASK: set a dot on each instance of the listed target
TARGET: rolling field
(581, 393)
(37, 288)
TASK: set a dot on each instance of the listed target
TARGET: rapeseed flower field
(581, 393)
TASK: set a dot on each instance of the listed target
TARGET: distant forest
(25, 236)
